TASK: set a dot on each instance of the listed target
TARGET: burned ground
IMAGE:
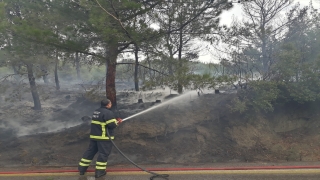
(197, 129)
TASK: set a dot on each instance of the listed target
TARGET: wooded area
(274, 57)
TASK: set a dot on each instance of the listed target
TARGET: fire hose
(155, 175)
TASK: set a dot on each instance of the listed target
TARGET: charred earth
(190, 129)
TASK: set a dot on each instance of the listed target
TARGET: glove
(119, 120)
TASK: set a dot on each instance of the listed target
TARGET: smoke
(45, 127)
(22, 127)
(60, 113)
(131, 97)
(184, 99)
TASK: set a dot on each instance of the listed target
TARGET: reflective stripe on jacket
(102, 119)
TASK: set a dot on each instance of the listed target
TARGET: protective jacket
(102, 119)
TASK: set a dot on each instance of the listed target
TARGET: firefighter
(103, 119)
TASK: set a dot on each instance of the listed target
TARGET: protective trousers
(103, 147)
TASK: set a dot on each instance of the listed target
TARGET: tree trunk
(149, 64)
(44, 70)
(264, 59)
(170, 69)
(180, 86)
(56, 77)
(77, 61)
(111, 74)
(45, 79)
(222, 70)
(136, 68)
(171, 62)
(16, 73)
(33, 87)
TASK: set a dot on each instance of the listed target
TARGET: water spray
(154, 175)
(142, 112)
(160, 105)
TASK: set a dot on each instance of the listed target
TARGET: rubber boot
(82, 170)
(100, 173)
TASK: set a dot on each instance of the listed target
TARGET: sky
(226, 18)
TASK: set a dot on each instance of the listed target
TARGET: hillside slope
(185, 130)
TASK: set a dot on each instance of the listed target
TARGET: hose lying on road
(155, 175)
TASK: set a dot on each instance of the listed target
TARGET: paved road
(215, 171)
(296, 174)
